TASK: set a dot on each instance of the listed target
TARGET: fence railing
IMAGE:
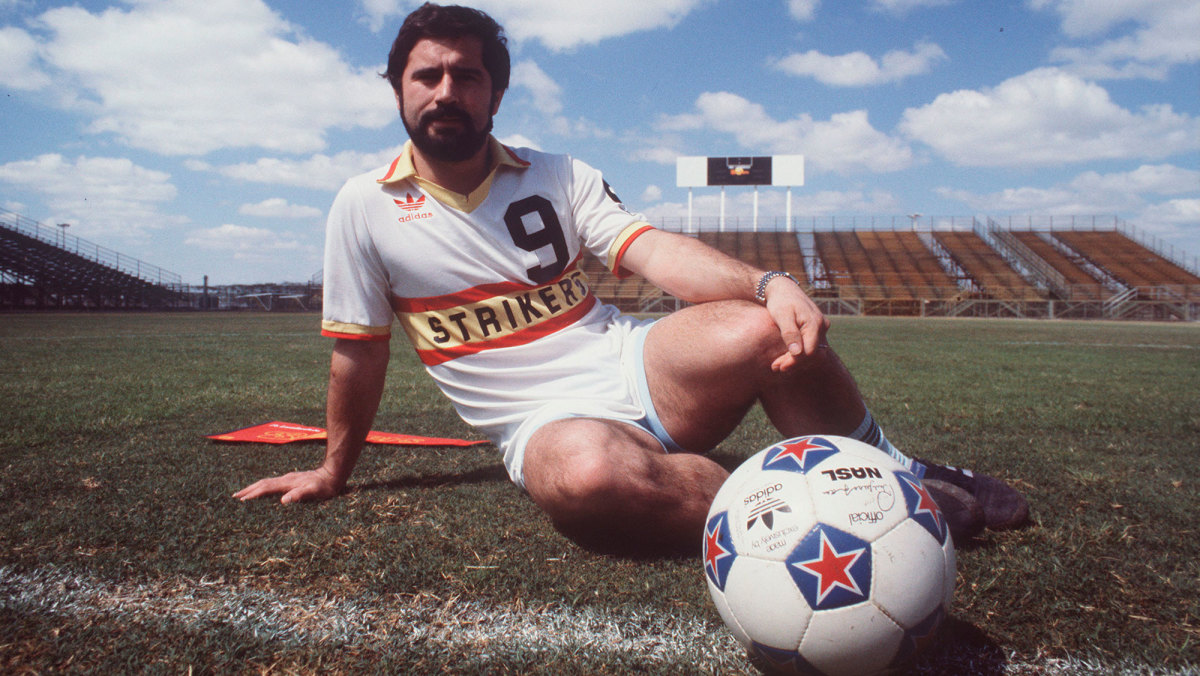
(801, 225)
(58, 237)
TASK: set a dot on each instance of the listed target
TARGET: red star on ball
(925, 502)
(713, 550)
(832, 569)
(798, 450)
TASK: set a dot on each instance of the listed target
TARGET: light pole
(64, 226)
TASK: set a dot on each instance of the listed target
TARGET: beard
(454, 145)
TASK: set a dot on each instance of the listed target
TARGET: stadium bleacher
(954, 271)
(986, 268)
(39, 270)
(1132, 264)
(885, 271)
(1065, 274)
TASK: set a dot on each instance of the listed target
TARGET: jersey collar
(403, 169)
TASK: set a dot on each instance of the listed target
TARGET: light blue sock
(869, 432)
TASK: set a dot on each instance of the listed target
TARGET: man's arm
(356, 377)
(688, 269)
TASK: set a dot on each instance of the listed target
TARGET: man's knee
(592, 485)
(577, 476)
(743, 331)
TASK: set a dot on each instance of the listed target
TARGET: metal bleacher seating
(882, 266)
(38, 272)
(1072, 281)
(1132, 264)
(766, 250)
(989, 271)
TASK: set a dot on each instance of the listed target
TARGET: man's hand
(356, 377)
(801, 323)
(313, 485)
(688, 269)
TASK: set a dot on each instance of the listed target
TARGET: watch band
(761, 291)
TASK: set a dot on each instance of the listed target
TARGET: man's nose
(447, 90)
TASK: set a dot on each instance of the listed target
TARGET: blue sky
(209, 138)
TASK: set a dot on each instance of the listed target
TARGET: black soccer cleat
(964, 515)
(1003, 507)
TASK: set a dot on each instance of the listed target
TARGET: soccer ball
(826, 556)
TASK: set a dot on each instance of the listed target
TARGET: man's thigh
(568, 457)
(706, 365)
(611, 487)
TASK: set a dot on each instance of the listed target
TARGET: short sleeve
(356, 290)
(606, 225)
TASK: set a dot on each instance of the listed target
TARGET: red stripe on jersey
(514, 157)
(391, 170)
(474, 294)
(356, 336)
(625, 247)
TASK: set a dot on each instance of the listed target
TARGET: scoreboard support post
(776, 170)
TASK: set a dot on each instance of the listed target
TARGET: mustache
(450, 112)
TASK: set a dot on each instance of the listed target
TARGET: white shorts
(625, 372)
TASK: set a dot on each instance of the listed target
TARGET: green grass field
(121, 549)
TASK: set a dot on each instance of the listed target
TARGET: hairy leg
(708, 364)
(610, 487)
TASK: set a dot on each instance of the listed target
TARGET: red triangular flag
(284, 432)
(272, 433)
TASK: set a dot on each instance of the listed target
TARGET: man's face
(446, 99)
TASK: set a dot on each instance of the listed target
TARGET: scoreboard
(777, 170)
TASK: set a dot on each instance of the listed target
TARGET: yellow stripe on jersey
(334, 329)
(492, 316)
(617, 251)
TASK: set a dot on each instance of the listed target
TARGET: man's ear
(496, 97)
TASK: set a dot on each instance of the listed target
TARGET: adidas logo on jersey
(412, 207)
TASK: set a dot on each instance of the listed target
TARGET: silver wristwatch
(761, 291)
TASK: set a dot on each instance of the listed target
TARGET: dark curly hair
(451, 21)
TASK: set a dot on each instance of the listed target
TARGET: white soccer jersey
(488, 287)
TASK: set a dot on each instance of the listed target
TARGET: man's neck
(461, 177)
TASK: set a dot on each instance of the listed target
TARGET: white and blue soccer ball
(826, 556)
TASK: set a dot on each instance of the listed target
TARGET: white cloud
(1046, 117)
(519, 141)
(277, 207)
(97, 195)
(1085, 18)
(830, 202)
(1178, 219)
(846, 143)
(1178, 211)
(658, 154)
(247, 244)
(185, 78)
(543, 108)
(858, 69)
(900, 7)
(378, 12)
(803, 10)
(1088, 193)
(320, 171)
(18, 61)
(651, 194)
(546, 93)
(1158, 34)
(556, 24)
(1160, 179)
